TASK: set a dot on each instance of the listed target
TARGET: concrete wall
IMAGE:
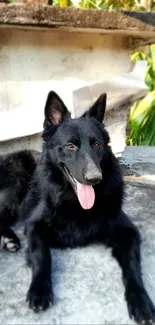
(32, 62)
(33, 142)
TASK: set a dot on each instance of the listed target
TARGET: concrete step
(139, 163)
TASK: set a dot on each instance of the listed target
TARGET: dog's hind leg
(125, 242)
(9, 240)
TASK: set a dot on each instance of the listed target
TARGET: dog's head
(78, 147)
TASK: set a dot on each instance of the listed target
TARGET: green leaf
(148, 133)
(152, 50)
(104, 6)
(142, 121)
(149, 77)
(138, 56)
(143, 105)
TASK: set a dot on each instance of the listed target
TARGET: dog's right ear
(55, 110)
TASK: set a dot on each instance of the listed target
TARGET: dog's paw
(140, 307)
(9, 241)
(39, 296)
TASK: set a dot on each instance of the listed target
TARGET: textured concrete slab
(34, 62)
(140, 162)
(79, 296)
(122, 90)
(33, 142)
(129, 22)
(87, 282)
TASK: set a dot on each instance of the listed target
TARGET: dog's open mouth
(85, 193)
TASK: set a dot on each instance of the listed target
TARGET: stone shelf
(139, 25)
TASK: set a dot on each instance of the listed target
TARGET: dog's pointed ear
(97, 110)
(55, 109)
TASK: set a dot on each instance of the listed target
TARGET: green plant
(108, 4)
(142, 114)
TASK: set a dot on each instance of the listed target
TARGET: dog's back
(16, 170)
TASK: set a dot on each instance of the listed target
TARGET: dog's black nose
(93, 178)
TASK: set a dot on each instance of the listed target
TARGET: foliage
(142, 114)
(108, 4)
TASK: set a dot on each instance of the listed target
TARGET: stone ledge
(140, 182)
(137, 24)
(138, 166)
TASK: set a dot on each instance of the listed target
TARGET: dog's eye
(96, 144)
(70, 145)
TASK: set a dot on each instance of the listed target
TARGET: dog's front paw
(140, 306)
(9, 241)
(39, 296)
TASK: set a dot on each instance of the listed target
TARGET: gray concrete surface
(87, 283)
(139, 161)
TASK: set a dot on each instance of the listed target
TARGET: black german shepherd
(76, 199)
(16, 170)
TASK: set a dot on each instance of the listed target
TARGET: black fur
(55, 217)
(16, 170)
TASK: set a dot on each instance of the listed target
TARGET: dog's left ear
(55, 109)
(98, 109)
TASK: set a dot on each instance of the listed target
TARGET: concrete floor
(87, 282)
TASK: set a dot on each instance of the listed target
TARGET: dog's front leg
(125, 242)
(40, 292)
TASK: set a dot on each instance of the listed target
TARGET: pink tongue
(86, 195)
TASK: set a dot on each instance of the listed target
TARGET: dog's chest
(71, 230)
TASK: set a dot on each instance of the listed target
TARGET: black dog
(16, 170)
(76, 199)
